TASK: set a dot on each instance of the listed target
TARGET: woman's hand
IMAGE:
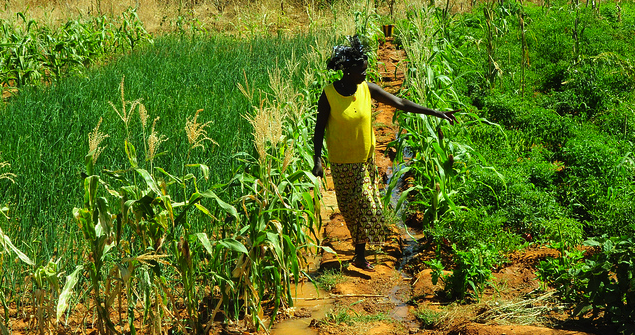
(449, 116)
(318, 171)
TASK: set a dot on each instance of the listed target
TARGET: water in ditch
(310, 303)
(400, 294)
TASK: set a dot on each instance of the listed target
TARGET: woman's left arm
(382, 96)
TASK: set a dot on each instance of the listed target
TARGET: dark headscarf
(344, 56)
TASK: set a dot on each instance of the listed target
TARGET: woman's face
(357, 72)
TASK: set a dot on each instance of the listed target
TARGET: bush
(603, 284)
(614, 213)
(618, 122)
(503, 108)
(591, 155)
(553, 75)
(473, 270)
(471, 228)
(566, 231)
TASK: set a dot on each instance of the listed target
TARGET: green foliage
(138, 226)
(473, 270)
(561, 145)
(469, 229)
(602, 283)
(349, 317)
(9, 248)
(170, 77)
(157, 231)
(428, 318)
(564, 152)
(609, 282)
(328, 279)
(32, 53)
(471, 273)
(568, 232)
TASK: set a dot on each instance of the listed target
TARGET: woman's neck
(345, 87)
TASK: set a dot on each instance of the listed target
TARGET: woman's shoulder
(328, 89)
(372, 86)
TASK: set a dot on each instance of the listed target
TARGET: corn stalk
(281, 213)
(524, 62)
(492, 66)
(427, 148)
(30, 53)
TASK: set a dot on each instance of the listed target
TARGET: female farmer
(344, 112)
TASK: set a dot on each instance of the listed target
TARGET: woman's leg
(360, 257)
(346, 179)
(356, 198)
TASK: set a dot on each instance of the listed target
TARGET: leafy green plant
(349, 317)
(328, 279)
(601, 283)
(610, 287)
(45, 293)
(32, 52)
(473, 270)
(428, 318)
(281, 214)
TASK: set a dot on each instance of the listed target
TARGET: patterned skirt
(359, 201)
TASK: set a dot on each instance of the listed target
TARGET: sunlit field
(155, 158)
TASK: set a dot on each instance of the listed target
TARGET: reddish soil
(514, 304)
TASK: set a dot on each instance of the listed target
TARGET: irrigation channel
(386, 290)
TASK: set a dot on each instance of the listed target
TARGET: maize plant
(140, 231)
(31, 52)
(279, 213)
(436, 161)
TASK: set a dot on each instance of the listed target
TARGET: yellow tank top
(349, 134)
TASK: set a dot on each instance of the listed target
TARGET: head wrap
(344, 56)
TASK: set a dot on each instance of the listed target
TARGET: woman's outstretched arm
(382, 96)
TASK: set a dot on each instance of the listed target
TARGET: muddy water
(400, 312)
(400, 294)
(310, 303)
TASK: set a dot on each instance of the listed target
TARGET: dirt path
(383, 302)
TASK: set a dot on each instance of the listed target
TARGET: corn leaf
(234, 245)
(174, 178)
(131, 153)
(9, 247)
(229, 209)
(205, 242)
(404, 196)
(150, 181)
(204, 169)
(67, 291)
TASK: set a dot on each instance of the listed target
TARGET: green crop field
(49, 127)
(176, 118)
(170, 174)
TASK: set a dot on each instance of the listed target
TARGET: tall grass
(47, 138)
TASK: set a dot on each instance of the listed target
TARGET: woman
(344, 112)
